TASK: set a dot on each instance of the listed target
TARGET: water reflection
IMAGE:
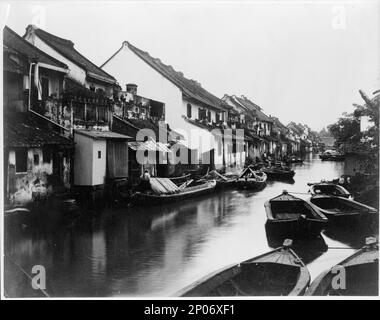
(156, 251)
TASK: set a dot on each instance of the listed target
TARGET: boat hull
(250, 184)
(298, 228)
(273, 175)
(279, 272)
(360, 272)
(152, 199)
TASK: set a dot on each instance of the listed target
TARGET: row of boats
(281, 272)
(254, 177)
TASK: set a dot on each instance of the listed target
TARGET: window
(78, 111)
(45, 88)
(217, 117)
(209, 116)
(21, 160)
(189, 110)
(36, 159)
(90, 113)
(46, 155)
(99, 154)
(102, 114)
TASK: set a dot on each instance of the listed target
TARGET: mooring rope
(26, 273)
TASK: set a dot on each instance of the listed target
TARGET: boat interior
(334, 204)
(293, 209)
(361, 280)
(259, 279)
(328, 189)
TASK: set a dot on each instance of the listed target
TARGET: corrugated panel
(149, 146)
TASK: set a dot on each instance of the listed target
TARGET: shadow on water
(308, 249)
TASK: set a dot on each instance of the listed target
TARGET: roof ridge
(187, 86)
(59, 40)
(31, 46)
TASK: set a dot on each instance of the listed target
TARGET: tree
(347, 132)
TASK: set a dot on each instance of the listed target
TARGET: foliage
(347, 132)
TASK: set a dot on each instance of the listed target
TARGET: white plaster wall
(83, 160)
(126, 67)
(75, 72)
(99, 165)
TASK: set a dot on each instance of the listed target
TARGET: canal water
(158, 250)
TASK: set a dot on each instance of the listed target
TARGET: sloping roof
(97, 134)
(190, 88)
(149, 145)
(66, 48)
(13, 41)
(278, 123)
(254, 108)
(22, 130)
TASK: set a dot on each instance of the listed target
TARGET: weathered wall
(25, 187)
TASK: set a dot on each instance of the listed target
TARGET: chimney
(30, 33)
(132, 88)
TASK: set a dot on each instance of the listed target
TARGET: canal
(157, 251)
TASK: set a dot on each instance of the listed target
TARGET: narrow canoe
(328, 188)
(292, 216)
(341, 210)
(358, 275)
(277, 273)
(186, 193)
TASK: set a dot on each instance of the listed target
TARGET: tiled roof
(190, 88)
(254, 108)
(22, 130)
(97, 134)
(13, 41)
(278, 123)
(66, 48)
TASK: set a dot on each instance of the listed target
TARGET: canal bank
(156, 251)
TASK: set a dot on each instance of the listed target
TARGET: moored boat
(340, 210)
(277, 171)
(277, 273)
(222, 180)
(292, 216)
(152, 198)
(357, 275)
(329, 188)
(252, 179)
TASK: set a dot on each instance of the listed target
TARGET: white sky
(300, 61)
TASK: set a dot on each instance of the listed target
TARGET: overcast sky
(300, 61)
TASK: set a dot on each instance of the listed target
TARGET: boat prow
(360, 273)
(277, 273)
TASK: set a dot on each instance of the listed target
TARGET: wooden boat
(361, 275)
(292, 216)
(331, 155)
(275, 172)
(186, 192)
(252, 179)
(222, 180)
(277, 273)
(328, 188)
(341, 210)
(294, 159)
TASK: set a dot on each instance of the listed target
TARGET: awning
(98, 135)
(149, 145)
